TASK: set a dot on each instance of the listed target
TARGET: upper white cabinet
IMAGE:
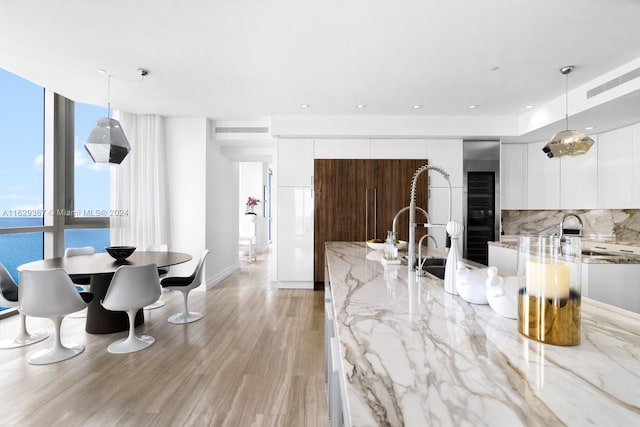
(635, 189)
(543, 179)
(603, 178)
(579, 180)
(343, 149)
(513, 176)
(615, 169)
(398, 149)
(295, 162)
(439, 211)
(446, 153)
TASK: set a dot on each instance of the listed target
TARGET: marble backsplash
(620, 225)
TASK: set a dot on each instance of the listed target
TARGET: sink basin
(435, 266)
(441, 262)
(598, 254)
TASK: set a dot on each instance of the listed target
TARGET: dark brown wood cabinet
(356, 200)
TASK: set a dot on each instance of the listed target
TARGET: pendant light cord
(109, 96)
(566, 99)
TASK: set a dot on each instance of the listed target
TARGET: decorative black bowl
(120, 253)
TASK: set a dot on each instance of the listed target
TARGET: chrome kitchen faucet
(411, 251)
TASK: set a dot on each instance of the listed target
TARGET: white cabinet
(439, 209)
(446, 153)
(342, 149)
(513, 176)
(615, 168)
(295, 162)
(579, 181)
(505, 259)
(603, 178)
(398, 149)
(295, 237)
(635, 196)
(611, 284)
(543, 179)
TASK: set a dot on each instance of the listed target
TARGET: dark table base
(100, 320)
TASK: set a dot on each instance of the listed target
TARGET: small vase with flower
(251, 205)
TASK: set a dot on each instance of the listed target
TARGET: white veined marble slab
(413, 355)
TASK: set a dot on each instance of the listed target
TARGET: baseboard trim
(293, 284)
(213, 281)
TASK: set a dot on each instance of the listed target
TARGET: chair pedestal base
(180, 318)
(131, 344)
(56, 354)
(156, 304)
(22, 340)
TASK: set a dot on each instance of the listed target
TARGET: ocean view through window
(91, 180)
(27, 231)
(21, 170)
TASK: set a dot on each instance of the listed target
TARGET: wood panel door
(391, 183)
(341, 209)
(356, 200)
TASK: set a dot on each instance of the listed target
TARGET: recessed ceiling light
(528, 107)
(495, 68)
(417, 107)
(305, 105)
(361, 106)
(590, 128)
(471, 107)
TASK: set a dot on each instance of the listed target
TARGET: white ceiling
(251, 60)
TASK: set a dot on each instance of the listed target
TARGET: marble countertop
(414, 355)
(619, 258)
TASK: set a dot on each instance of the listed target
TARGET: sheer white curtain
(138, 184)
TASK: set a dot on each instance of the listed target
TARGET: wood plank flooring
(255, 359)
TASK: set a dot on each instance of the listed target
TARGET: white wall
(186, 170)
(202, 186)
(221, 214)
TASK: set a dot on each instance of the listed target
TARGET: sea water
(20, 248)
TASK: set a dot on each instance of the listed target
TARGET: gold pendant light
(567, 142)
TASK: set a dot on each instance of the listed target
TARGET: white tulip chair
(9, 298)
(131, 289)
(51, 294)
(185, 285)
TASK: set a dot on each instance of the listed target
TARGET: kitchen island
(412, 355)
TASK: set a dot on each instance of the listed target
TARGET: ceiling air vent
(614, 83)
(254, 130)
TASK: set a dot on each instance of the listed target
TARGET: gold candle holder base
(551, 321)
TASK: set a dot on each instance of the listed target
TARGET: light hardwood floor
(255, 359)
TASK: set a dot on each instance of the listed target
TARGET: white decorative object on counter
(502, 293)
(471, 284)
(454, 229)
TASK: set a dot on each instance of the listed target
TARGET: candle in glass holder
(549, 304)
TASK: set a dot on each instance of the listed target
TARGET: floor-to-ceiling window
(21, 171)
(46, 207)
(89, 186)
